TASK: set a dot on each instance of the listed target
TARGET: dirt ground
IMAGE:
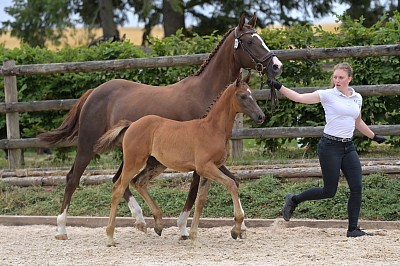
(272, 245)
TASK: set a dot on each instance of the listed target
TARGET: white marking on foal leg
(243, 229)
(61, 225)
(136, 210)
(182, 224)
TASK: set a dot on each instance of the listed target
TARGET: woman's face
(341, 79)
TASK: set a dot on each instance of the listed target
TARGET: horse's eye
(244, 96)
(250, 42)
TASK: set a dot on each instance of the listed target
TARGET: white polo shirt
(341, 111)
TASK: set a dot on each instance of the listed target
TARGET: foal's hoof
(234, 234)
(158, 231)
(243, 234)
(111, 243)
(61, 237)
(141, 227)
(184, 238)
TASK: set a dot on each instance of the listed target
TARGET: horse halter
(259, 62)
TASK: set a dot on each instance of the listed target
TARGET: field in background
(80, 36)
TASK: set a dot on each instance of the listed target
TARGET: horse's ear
(241, 22)
(238, 79)
(253, 20)
(247, 78)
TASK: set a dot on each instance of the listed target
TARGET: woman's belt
(336, 138)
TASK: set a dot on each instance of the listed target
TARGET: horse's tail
(112, 137)
(67, 132)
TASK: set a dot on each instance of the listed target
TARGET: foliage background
(371, 70)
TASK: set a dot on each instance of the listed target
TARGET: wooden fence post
(237, 144)
(12, 118)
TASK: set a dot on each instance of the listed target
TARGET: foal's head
(245, 102)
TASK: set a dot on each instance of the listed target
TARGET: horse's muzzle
(260, 119)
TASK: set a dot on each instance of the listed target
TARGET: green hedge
(373, 70)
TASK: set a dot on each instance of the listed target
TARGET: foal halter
(259, 62)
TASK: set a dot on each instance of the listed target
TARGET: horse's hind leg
(133, 205)
(183, 217)
(204, 186)
(118, 190)
(153, 169)
(73, 178)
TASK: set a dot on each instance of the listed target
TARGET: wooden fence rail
(11, 106)
(197, 59)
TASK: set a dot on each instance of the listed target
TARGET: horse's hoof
(234, 234)
(111, 243)
(61, 237)
(158, 231)
(243, 234)
(193, 236)
(184, 238)
(141, 227)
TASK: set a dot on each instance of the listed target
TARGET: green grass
(262, 198)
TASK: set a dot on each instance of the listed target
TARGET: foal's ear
(253, 20)
(247, 78)
(238, 79)
(241, 22)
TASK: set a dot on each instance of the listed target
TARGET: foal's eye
(244, 96)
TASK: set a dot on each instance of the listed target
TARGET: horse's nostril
(275, 67)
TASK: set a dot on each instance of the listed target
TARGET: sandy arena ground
(272, 245)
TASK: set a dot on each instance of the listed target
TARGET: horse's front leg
(183, 217)
(243, 231)
(211, 172)
(140, 182)
(204, 186)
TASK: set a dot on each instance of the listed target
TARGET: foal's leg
(204, 186)
(140, 182)
(183, 217)
(211, 172)
(118, 190)
(243, 231)
(153, 168)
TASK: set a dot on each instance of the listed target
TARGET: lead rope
(272, 94)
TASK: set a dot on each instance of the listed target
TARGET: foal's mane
(217, 98)
(205, 63)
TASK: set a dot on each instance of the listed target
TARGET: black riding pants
(333, 157)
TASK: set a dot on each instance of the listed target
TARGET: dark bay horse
(197, 145)
(101, 108)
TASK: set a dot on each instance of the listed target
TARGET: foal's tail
(69, 128)
(112, 137)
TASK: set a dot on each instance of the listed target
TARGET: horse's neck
(222, 114)
(221, 70)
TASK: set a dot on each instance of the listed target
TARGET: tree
(37, 21)
(371, 11)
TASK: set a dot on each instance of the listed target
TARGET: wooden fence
(11, 106)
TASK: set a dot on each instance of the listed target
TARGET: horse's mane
(215, 100)
(205, 63)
